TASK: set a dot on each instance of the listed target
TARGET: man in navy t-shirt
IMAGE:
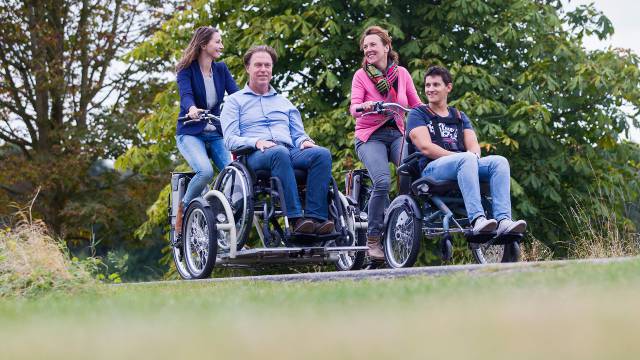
(447, 139)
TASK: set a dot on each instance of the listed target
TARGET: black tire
(235, 183)
(402, 237)
(512, 252)
(200, 241)
(177, 252)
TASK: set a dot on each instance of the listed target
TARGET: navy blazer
(192, 92)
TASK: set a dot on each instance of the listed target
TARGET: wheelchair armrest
(413, 157)
(409, 166)
(243, 150)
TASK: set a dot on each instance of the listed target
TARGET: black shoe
(304, 226)
(325, 227)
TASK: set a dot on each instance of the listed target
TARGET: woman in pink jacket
(379, 137)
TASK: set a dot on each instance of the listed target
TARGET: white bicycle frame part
(230, 225)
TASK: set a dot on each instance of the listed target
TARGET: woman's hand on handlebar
(366, 106)
(194, 112)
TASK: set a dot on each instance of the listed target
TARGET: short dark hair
(439, 71)
(260, 48)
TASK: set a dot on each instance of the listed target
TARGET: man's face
(260, 69)
(435, 89)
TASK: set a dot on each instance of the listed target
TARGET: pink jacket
(363, 90)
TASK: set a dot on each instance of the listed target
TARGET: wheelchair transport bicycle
(217, 224)
(435, 209)
(430, 208)
(358, 184)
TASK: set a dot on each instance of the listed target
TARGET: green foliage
(534, 94)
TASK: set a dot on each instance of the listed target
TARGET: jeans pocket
(357, 142)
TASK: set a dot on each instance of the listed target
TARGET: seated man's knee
(467, 157)
(323, 155)
(499, 162)
(279, 153)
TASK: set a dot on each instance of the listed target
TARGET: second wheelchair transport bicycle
(217, 225)
(436, 209)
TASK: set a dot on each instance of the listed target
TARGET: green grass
(573, 311)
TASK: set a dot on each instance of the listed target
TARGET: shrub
(33, 263)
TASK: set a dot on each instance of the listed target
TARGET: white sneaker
(508, 226)
(482, 225)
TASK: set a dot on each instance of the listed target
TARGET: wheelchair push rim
(234, 184)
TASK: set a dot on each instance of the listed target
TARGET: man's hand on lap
(264, 144)
(307, 144)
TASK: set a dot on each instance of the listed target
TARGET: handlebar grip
(359, 109)
(183, 118)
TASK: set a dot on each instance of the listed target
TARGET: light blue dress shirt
(248, 117)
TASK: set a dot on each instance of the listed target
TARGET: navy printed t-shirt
(449, 132)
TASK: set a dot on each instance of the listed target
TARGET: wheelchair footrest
(495, 240)
(305, 238)
(508, 239)
(478, 238)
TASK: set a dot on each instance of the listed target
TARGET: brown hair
(386, 40)
(201, 37)
(260, 48)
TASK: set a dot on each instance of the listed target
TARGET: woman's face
(374, 51)
(214, 47)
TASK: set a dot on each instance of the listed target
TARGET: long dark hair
(386, 40)
(201, 37)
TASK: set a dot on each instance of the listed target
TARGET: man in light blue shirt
(258, 117)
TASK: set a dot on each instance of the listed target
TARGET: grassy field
(573, 311)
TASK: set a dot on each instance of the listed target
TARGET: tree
(67, 100)
(534, 94)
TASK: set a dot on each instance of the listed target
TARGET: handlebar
(380, 107)
(204, 115)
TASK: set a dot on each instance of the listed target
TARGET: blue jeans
(281, 161)
(197, 149)
(468, 170)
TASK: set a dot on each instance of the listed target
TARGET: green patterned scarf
(384, 84)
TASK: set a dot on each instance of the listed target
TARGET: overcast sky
(624, 16)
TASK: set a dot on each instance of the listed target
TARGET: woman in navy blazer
(202, 83)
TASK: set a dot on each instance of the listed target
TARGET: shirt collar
(248, 90)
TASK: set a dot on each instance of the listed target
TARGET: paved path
(399, 273)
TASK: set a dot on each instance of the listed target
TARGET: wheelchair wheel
(178, 259)
(402, 238)
(235, 184)
(177, 250)
(493, 254)
(353, 260)
(199, 241)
